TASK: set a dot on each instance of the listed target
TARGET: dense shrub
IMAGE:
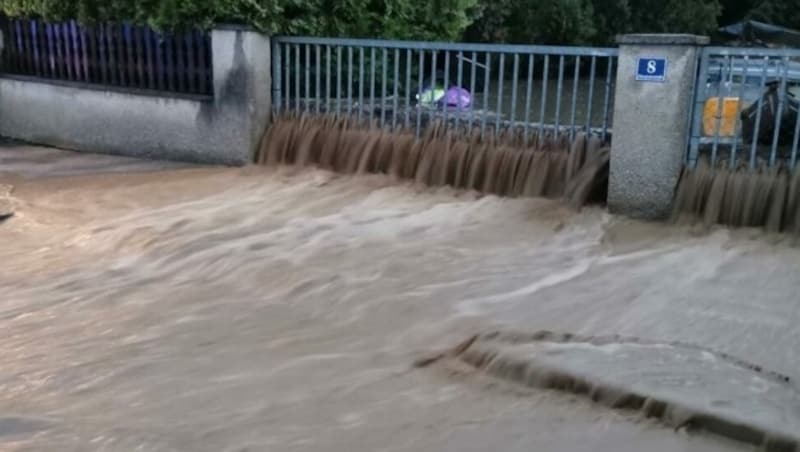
(409, 19)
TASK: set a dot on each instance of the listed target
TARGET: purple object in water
(457, 97)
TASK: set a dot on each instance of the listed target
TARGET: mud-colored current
(281, 309)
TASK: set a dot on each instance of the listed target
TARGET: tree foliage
(518, 21)
(410, 19)
(589, 21)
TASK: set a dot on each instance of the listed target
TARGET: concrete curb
(533, 360)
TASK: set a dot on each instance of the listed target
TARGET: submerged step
(682, 385)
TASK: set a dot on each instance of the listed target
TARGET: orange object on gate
(726, 117)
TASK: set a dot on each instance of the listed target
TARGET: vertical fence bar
(409, 63)
(773, 153)
(23, 53)
(287, 71)
(170, 65)
(297, 69)
(66, 36)
(420, 76)
(459, 82)
(161, 70)
(607, 100)
(8, 51)
(150, 67)
(486, 81)
(395, 82)
(338, 81)
(141, 70)
(69, 54)
(51, 54)
(277, 82)
(26, 54)
(795, 139)
(191, 69)
(349, 81)
(119, 46)
(543, 110)
(328, 94)
(208, 68)
(514, 82)
(384, 61)
(473, 74)
(738, 119)
(9, 41)
(61, 57)
(317, 79)
(559, 88)
(163, 62)
(307, 94)
(58, 43)
(697, 119)
(500, 80)
(23, 30)
(718, 114)
(20, 54)
(590, 100)
(360, 82)
(757, 128)
(37, 40)
(76, 51)
(433, 83)
(87, 45)
(131, 62)
(371, 83)
(528, 95)
(446, 86)
(181, 55)
(575, 82)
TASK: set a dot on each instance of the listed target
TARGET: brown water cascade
(510, 164)
(741, 197)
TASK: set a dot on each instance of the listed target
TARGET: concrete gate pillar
(652, 108)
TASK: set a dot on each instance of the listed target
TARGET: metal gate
(405, 84)
(745, 110)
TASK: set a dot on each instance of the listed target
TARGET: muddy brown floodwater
(258, 309)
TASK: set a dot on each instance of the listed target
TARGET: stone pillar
(242, 88)
(652, 109)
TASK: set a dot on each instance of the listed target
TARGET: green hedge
(407, 19)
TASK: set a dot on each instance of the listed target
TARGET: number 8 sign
(651, 69)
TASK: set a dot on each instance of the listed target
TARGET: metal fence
(120, 55)
(406, 84)
(746, 107)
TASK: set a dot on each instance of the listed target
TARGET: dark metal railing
(108, 55)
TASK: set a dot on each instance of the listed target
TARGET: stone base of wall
(222, 129)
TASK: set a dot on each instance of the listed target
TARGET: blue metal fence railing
(108, 55)
(406, 84)
(745, 107)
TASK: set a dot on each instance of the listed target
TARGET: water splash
(767, 197)
(510, 164)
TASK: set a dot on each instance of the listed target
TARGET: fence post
(653, 102)
(242, 87)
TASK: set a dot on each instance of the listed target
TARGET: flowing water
(281, 309)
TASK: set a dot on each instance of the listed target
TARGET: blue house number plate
(651, 69)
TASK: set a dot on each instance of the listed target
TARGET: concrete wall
(651, 120)
(225, 128)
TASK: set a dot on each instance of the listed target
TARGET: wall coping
(663, 39)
